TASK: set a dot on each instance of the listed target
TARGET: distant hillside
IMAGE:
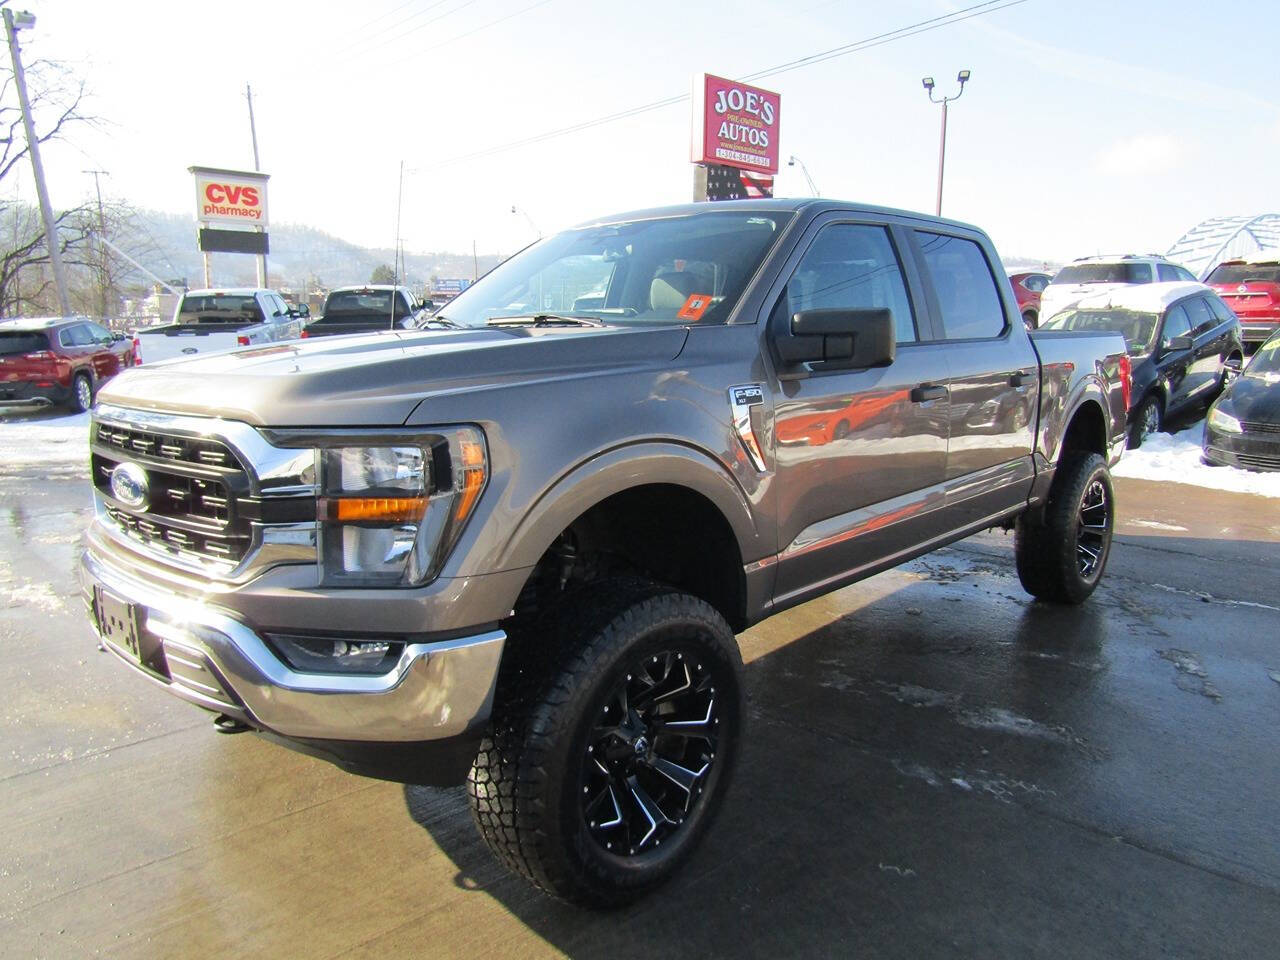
(300, 256)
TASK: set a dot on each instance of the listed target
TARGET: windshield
(12, 344)
(348, 302)
(1245, 273)
(1138, 329)
(674, 270)
(1266, 362)
(1104, 273)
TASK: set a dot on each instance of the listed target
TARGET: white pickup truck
(210, 321)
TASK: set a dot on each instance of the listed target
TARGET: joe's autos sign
(735, 124)
(231, 196)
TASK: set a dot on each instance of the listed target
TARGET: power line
(901, 33)
(356, 54)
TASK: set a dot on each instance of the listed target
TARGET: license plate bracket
(117, 621)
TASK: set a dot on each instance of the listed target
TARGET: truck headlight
(389, 515)
(1224, 422)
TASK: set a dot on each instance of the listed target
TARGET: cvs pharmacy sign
(230, 196)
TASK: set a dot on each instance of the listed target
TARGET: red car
(1251, 289)
(58, 360)
(1027, 288)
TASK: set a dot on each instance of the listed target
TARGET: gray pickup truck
(513, 549)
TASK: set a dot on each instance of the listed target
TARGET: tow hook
(224, 724)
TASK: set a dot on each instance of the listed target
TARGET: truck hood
(378, 379)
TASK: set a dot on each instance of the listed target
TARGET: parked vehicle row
(1183, 342)
(59, 361)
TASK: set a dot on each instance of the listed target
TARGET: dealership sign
(231, 197)
(735, 124)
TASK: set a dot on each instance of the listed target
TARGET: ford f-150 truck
(514, 549)
(210, 321)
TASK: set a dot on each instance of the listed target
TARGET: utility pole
(104, 279)
(12, 24)
(395, 270)
(253, 132)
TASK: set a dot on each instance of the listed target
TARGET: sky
(1087, 127)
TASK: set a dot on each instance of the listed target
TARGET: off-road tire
(81, 393)
(1148, 418)
(526, 788)
(1051, 551)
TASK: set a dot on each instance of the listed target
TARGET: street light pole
(796, 161)
(12, 24)
(962, 77)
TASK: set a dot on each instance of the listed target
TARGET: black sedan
(1184, 343)
(1243, 426)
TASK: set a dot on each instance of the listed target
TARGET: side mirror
(839, 339)
(116, 338)
(1174, 344)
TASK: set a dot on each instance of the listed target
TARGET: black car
(1243, 426)
(1184, 343)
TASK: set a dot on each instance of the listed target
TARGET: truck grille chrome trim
(213, 488)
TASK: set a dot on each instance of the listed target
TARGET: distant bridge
(1207, 244)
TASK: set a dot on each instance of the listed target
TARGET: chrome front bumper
(435, 691)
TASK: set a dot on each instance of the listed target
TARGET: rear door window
(1200, 316)
(18, 343)
(852, 266)
(76, 336)
(1167, 271)
(965, 287)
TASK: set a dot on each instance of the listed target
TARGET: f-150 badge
(741, 399)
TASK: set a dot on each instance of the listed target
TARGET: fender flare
(594, 480)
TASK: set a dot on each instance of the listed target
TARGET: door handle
(927, 391)
(1020, 379)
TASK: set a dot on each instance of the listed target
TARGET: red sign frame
(735, 124)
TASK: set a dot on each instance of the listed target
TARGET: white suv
(1090, 275)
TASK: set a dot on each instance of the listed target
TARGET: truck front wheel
(612, 740)
(1061, 556)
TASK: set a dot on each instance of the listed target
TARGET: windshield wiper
(438, 321)
(543, 320)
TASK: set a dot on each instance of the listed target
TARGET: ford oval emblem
(190, 350)
(129, 485)
(1241, 289)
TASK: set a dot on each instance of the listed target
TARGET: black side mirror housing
(1173, 344)
(847, 339)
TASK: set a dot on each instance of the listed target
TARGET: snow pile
(45, 440)
(1176, 458)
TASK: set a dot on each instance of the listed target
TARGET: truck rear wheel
(604, 766)
(1062, 556)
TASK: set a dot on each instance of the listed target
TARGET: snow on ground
(40, 439)
(1176, 458)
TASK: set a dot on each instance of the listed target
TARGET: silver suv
(1091, 275)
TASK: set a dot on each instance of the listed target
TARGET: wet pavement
(934, 767)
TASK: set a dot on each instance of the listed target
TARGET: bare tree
(57, 98)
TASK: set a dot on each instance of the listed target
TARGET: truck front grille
(195, 489)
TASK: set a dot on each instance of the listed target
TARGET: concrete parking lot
(934, 767)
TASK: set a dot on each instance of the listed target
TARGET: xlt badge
(741, 399)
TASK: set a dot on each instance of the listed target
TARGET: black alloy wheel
(1093, 528)
(1061, 554)
(615, 725)
(650, 752)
